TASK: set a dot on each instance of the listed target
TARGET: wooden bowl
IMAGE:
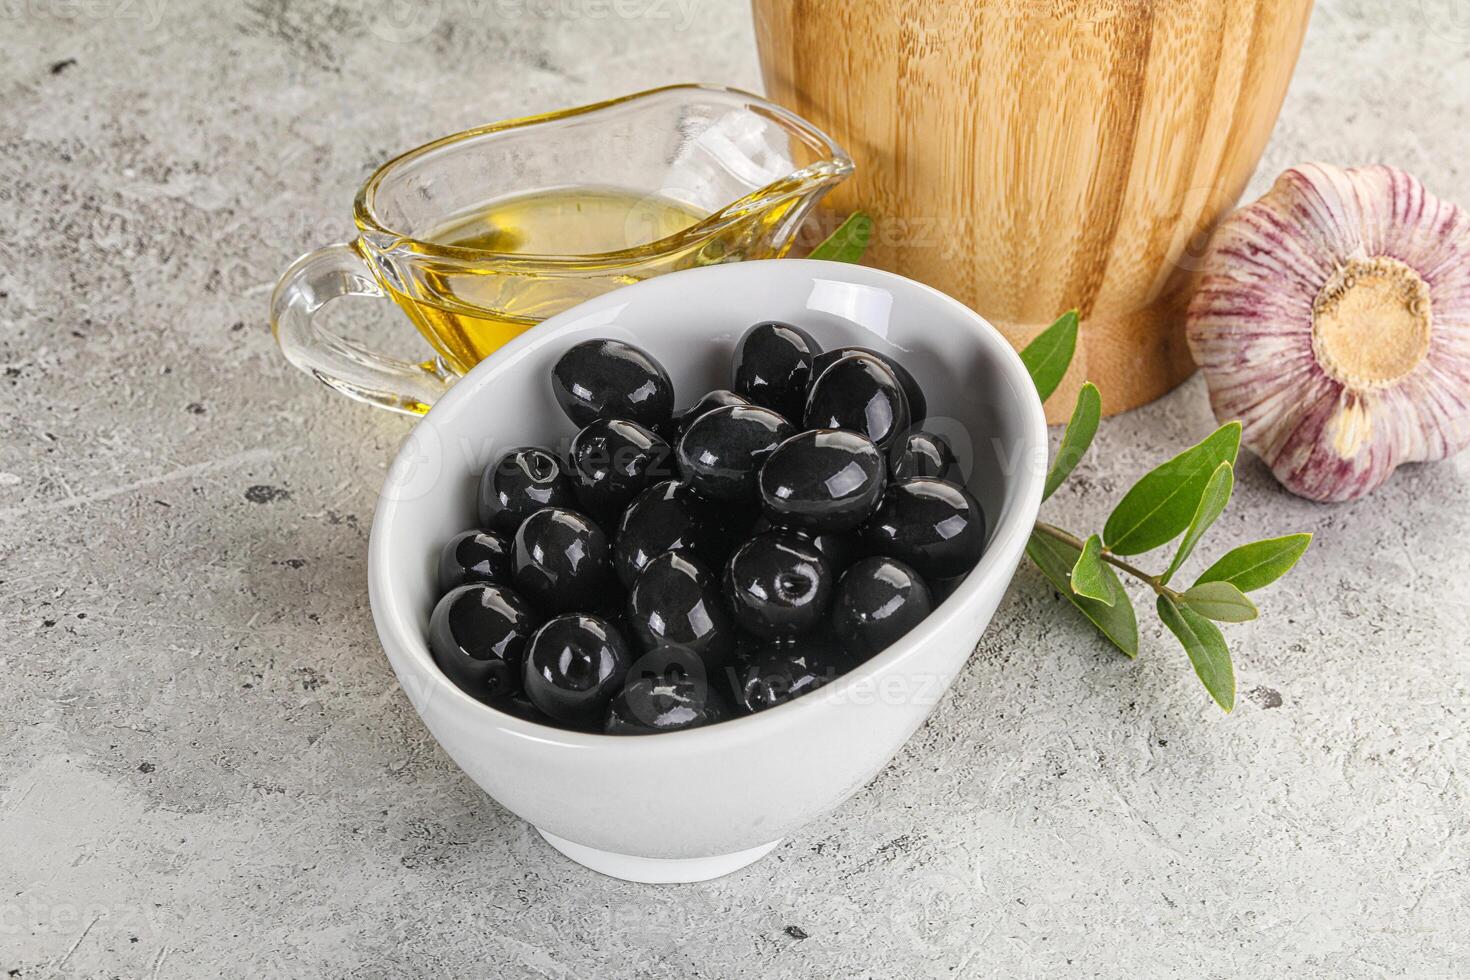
(1031, 156)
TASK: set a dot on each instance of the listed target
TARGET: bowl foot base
(656, 871)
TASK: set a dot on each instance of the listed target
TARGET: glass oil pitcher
(481, 235)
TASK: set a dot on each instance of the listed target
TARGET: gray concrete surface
(208, 770)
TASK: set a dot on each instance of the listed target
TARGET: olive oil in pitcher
(573, 226)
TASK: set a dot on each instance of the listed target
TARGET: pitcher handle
(316, 279)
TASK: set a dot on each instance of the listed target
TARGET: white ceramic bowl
(691, 805)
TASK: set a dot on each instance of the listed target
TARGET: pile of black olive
(674, 569)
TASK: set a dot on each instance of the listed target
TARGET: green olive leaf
(848, 242)
(1206, 647)
(1258, 564)
(1116, 620)
(1087, 575)
(1075, 438)
(1163, 503)
(1211, 506)
(1049, 355)
(1220, 601)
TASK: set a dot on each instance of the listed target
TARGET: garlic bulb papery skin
(1332, 318)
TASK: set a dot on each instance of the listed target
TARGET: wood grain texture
(1030, 156)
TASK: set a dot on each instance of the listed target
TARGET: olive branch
(1182, 496)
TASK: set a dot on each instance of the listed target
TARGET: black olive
(773, 366)
(519, 484)
(669, 516)
(840, 549)
(877, 602)
(787, 669)
(918, 404)
(778, 584)
(608, 379)
(562, 561)
(933, 526)
(574, 665)
(664, 702)
(614, 460)
(925, 454)
(474, 556)
(676, 602)
(667, 431)
(721, 453)
(478, 635)
(859, 393)
(823, 480)
(941, 589)
(520, 705)
(719, 398)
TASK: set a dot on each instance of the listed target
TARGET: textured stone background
(207, 767)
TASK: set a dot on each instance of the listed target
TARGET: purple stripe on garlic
(1332, 318)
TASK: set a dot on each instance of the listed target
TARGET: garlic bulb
(1333, 319)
